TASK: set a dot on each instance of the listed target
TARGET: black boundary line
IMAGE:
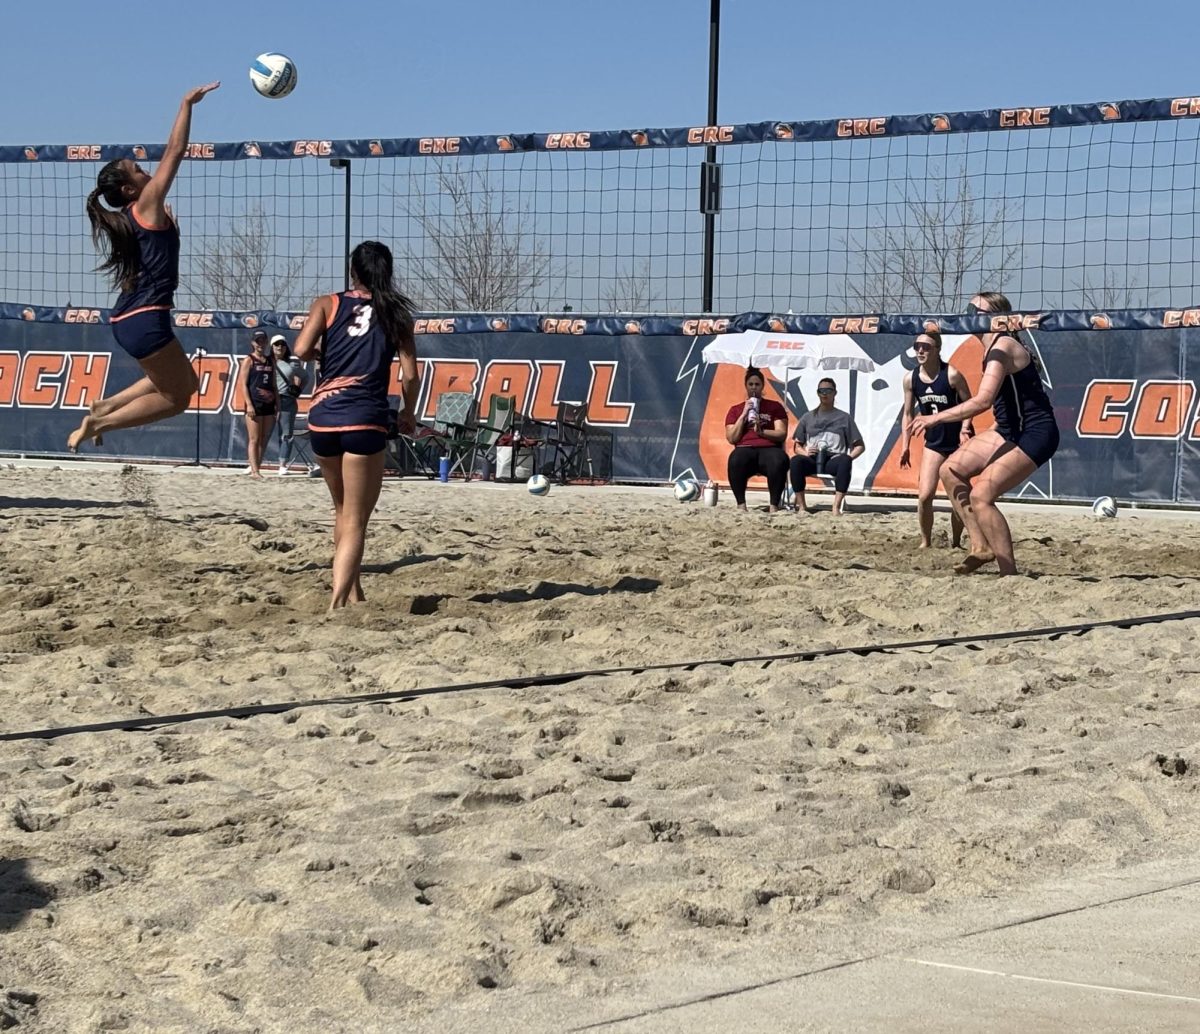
(563, 678)
(891, 953)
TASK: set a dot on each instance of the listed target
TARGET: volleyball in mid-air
(687, 490)
(273, 75)
(539, 484)
(1104, 507)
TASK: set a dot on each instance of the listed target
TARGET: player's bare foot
(972, 562)
(81, 434)
(925, 544)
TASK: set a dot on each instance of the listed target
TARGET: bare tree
(630, 291)
(922, 261)
(1115, 292)
(238, 269)
(477, 251)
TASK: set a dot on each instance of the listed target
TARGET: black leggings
(745, 461)
(806, 466)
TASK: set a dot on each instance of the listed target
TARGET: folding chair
(517, 454)
(499, 425)
(454, 428)
(568, 440)
(302, 445)
(415, 453)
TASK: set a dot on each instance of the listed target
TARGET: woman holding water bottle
(757, 429)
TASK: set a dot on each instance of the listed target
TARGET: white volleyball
(273, 75)
(538, 485)
(1105, 507)
(687, 490)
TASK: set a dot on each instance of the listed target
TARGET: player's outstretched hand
(197, 95)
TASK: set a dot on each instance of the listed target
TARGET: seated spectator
(757, 429)
(829, 431)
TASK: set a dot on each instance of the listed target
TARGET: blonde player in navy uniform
(354, 336)
(932, 387)
(140, 242)
(1024, 437)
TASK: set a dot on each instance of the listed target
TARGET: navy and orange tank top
(354, 370)
(934, 397)
(261, 379)
(158, 268)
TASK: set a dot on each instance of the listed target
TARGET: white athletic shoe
(282, 472)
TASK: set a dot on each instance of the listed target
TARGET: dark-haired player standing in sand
(1024, 437)
(140, 243)
(356, 334)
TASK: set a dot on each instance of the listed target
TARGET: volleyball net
(1087, 206)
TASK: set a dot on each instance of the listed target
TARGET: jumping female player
(140, 243)
(1024, 437)
(930, 388)
(355, 334)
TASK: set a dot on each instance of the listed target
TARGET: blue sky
(457, 67)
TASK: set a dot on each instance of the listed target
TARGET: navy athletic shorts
(144, 333)
(1038, 441)
(358, 443)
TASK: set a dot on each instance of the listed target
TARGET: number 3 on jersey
(361, 322)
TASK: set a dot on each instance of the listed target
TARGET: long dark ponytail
(371, 264)
(111, 232)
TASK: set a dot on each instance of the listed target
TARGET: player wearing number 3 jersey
(932, 387)
(355, 335)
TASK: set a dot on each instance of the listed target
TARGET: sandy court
(358, 867)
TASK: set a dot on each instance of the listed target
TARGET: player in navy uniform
(1024, 437)
(262, 403)
(355, 335)
(140, 242)
(932, 387)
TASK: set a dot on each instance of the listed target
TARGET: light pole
(344, 163)
(710, 171)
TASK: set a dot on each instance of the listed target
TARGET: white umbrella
(788, 351)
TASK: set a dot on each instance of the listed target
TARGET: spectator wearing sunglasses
(932, 387)
(830, 431)
(1024, 437)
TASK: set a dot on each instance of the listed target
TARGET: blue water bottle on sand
(444, 468)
